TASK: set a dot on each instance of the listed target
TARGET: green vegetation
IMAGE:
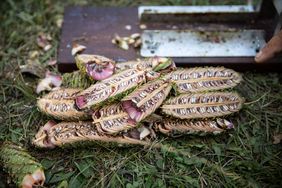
(244, 157)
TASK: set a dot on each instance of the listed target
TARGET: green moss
(80, 65)
(76, 80)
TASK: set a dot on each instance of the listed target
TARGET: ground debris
(277, 139)
(43, 41)
(125, 42)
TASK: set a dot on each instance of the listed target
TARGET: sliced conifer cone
(145, 100)
(203, 105)
(116, 85)
(62, 93)
(172, 126)
(24, 170)
(71, 134)
(199, 79)
(124, 81)
(112, 119)
(60, 104)
(95, 66)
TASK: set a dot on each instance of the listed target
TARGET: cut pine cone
(123, 82)
(126, 96)
(25, 172)
(113, 119)
(66, 134)
(175, 127)
(146, 99)
(203, 105)
(115, 86)
(60, 104)
(95, 66)
(203, 79)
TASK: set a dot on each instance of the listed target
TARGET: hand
(273, 47)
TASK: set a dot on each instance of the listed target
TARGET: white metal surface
(186, 43)
(196, 9)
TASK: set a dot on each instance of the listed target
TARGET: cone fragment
(76, 133)
(112, 119)
(22, 167)
(203, 105)
(117, 85)
(95, 66)
(145, 100)
(60, 104)
(172, 127)
(205, 79)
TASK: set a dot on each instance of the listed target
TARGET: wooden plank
(95, 27)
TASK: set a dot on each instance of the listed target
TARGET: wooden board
(95, 27)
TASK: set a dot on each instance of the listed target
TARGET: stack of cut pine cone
(129, 102)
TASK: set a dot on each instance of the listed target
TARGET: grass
(244, 157)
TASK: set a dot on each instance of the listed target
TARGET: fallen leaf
(47, 47)
(128, 27)
(135, 35)
(277, 138)
(137, 43)
(124, 42)
(123, 45)
(33, 67)
(77, 48)
(130, 41)
(144, 132)
(59, 22)
(43, 41)
(48, 37)
(142, 26)
(49, 82)
(121, 42)
(33, 54)
(52, 62)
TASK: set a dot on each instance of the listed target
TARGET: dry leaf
(124, 42)
(33, 54)
(59, 22)
(131, 41)
(128, 27)
(77, 48)
(135, 35)
(52, 62)
(144, 132)
(49, 82)
(137, 43)
(142, 26)
(123, 45)
(33, 67)
(43, 41)
(121, 42)
(47, 47)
